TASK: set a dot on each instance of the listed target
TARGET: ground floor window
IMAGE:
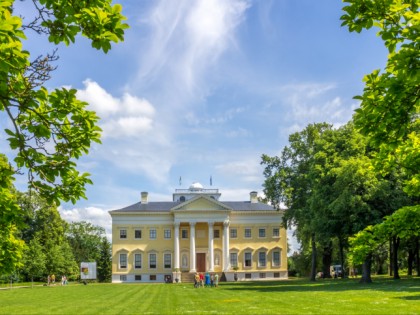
(248, 276)
(234, 259)
(137, 277)
(262, 275)
(276, 258)
(123, 278)
(276, 275)
(152, 278)
(167, 261)
(123, 261)
(248, 259)
(261, 259)
(137, 261)
(152, 261)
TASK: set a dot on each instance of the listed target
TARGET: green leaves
(389, 112)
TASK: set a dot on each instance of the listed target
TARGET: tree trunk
(326, 260)
(366, 270)
(313, 265)
(410, 261)
(418, 257)
(395, 245)
(341, 245)
(391, 261)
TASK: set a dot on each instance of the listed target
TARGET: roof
(166, 206)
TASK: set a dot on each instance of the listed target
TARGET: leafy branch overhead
(389, 112)
(50, 130)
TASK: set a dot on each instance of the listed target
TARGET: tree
(34, 260)
(389, 112)
(104, 265)
(11, 246)
(50, 130)
(85, 239)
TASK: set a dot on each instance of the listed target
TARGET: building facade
(171, 241)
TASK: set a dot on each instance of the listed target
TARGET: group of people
(51, 280)
(207, 280)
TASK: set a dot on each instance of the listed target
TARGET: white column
(192, 247)
(226, 257)
(211, 248)
(176, 246)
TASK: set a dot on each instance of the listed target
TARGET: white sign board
(87, 270)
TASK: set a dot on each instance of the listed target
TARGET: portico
(209, 255)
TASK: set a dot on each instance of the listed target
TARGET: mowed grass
(384, 296)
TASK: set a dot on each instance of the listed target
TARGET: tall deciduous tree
(389, 112)
(49, 130)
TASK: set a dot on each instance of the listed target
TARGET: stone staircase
(187, 277)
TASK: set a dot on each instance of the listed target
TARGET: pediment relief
(201, 203)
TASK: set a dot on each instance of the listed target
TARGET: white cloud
(128, 116)
(187, 38)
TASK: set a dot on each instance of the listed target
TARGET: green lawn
(384, 296)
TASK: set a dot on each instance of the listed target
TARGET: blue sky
(203, 88)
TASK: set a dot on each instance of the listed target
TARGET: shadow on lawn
(336, 285)
(409, 298)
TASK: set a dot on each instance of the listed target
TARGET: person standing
(216, 280)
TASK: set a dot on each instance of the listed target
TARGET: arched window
(182, 198)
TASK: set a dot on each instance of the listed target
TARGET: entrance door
(201, 262)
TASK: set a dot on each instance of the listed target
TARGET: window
(152, 261)
(123, 261)
(152, 234)
(276, 275)
(276, 232)
(137, 261)
(137, 277)
(261, 232)
(123, 277)
(216, 233)
(262, 275)
(248, 276)
(261, 259)
(184, 233)
(123, 233)
(247, 233)
(233, 233)
(248, 259)
(167, 261)
(182, 198)
(167, 234)
(137, 234)
(234, 260)
(276, 258)
(152, 277)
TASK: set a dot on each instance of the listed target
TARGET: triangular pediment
(201, 203)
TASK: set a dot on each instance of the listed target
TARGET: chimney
(253, 196)
(144, 195)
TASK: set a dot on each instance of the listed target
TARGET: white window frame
(233, 254)
(233, 231)
(120, 266)
(182, 234)
(262, 230)
(277, 234)
(152, 234)
(216, 235)
(245, 253)
(170, 260)
(141, 261)
(167, 234)
(250, 233)
(123, 234)
(150, 260)
(265, 259)
(272, 258)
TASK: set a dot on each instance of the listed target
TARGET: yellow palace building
(170, 241)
